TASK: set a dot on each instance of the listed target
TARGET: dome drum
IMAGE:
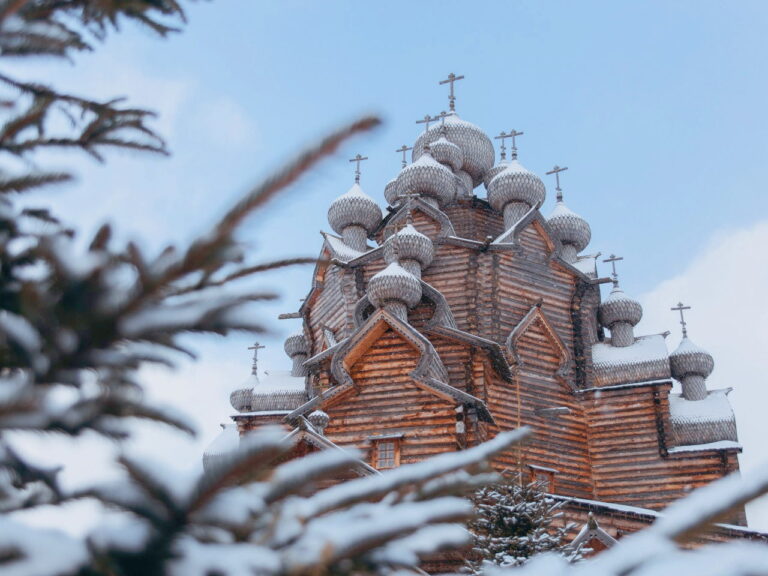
(694, 387)
(622, 335)
(355, 237)
(514, 212)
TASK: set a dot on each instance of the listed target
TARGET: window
(386, 453)
(543, 477)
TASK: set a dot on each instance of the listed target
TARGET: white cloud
(726, 285)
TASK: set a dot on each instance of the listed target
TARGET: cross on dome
(613, 259)
(256, 347)
(427, 120)
(452, 78)
(679, 308)
(358, 159)
(404, 149)
(503, 136)
(513, 134)
(556, 171)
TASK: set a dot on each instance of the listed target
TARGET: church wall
(627, 430)
(389, 402)
(475, 220)
(329, 308)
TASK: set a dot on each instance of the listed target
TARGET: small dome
(494, 171)
(473, 142)
(319, 419)
(569, 227)
(390, 192)
(515, 184)
(428, 177)
(689, 359)
(394, 283)
(618, 307)
(296, 344)
(447, 153)
(411, 245)
(355, 208)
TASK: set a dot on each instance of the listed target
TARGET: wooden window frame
(376, 454)
(545, 477)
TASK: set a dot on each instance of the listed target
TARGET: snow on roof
(645, 349)
(586, 265)
(714, 408)
(719, 445)
(340, 249)
(278, 381)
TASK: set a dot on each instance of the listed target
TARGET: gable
(536, 347)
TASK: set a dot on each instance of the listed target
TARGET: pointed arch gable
(536, 320)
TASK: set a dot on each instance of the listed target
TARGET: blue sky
(658, 109)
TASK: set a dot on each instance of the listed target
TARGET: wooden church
(456, 314)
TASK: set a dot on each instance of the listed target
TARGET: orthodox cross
(404, 149)
(556, 171)
(502, 136)
(256, 347)
(513, 134)
(452, 78)
(680, 307)
(613, 259)
(358, 159)
(427, 120)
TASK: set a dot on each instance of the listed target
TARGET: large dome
(355, 208)
(515, 184)
(473, 142)
(426, 176)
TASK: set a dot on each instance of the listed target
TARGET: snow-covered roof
(646, 359)
(339, 249)
(277, 381)
(226, 442)
(719, 445)
(699, 422)
(586, 265)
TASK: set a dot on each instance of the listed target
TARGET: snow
(276, 381)
(720, 445)
(227, 441)
(394, 269)
(645, 349)
(340, 249)
(714, 408)
(41, 552)
(586, 265)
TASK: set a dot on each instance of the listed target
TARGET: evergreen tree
(513, 523)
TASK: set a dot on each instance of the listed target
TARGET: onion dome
(409, 244)
(355, 208)
(390, 192)
(223, 446)
(515, 184)
(569, 227)
(473, 142)
(319, 420)
(394, 284)
(688, 359)
(296, 344)
(427, 177)
(494, 171)
(620, 308)
(447, 153)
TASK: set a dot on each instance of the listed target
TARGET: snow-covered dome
(427, 177)
(394, 283)
(354, 208)
(447, 153)
(569, 227)
(494, 171)
(515, 184)
(689, 359)
(390, 192)
(409, 244)
(221, 447)
(618, 307)
(296, 344)
(473, 142)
